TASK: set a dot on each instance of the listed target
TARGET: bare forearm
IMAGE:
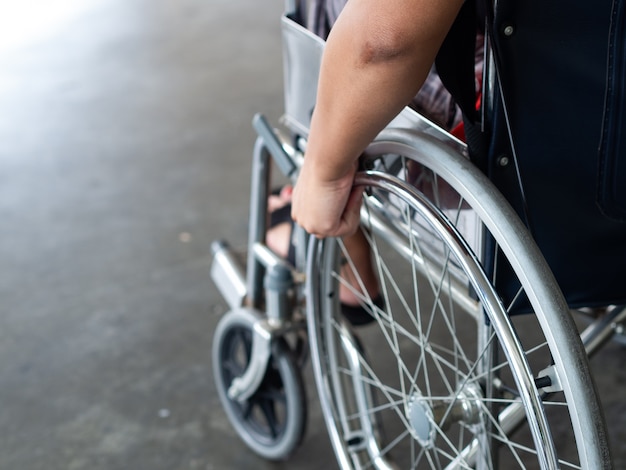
(377, 57)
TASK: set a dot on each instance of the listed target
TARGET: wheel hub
(421, 419)
(426, 417)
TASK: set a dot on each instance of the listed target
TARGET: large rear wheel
(451, 378)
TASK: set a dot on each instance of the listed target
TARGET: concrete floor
(125, 143)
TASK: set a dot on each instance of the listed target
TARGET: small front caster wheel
(272, 420)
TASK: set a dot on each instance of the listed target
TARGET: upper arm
(384, 30)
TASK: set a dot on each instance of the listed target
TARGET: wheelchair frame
(272, 302)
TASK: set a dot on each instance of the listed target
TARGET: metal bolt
(508, 30)
(503, 161)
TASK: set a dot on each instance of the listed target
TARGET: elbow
(383, 48)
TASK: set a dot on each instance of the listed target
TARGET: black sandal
(360, 315)
(281, 216)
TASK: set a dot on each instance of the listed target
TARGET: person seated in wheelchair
(375, 44)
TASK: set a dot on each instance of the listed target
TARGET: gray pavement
(125, 144)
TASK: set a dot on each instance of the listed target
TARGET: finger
(352, 214)
(355, 199)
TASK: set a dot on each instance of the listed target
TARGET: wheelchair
(500, 275)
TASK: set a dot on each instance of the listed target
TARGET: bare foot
(278, 237)
(276, 201)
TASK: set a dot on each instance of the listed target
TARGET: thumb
(355, 199)
(352, 213)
